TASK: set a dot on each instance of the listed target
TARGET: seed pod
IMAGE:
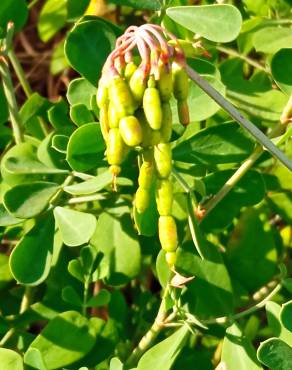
(162, 159)
(164, 197)
(103, 120)
(150, 137)
(170, 258)
(152, 107)
(129, 70)
(167, 233)
(180, 82)
(146, 175)
(142, 199)
(166, 127)
(164, 84)
(102, 94)
(138, 85)
(113, 117)
(183, 112)
(115, 147)
(130, 130)
(121, 96)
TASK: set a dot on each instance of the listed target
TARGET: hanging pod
(180, 82)
(163, 159)
(164, 197)
(113, 117)
(166, 126)
(115, 147)
(103, 121)
(152, 107)
(121, 96)
(167, 233)
(102, 94)
(138, 85)
(130, 130)
(170, 258)
(164, 84)
(146, 175)
(183, 112)
(150, 137)
(129, 70)
(142, 199)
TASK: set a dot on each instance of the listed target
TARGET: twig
(20, 73)
(235, 114)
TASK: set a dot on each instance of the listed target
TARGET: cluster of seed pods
(138, 80)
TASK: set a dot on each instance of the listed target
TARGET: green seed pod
(164, 197)
(138, 85)
(164, 84)
(152, 107)
(162, 159)
(129, 70)
(130, 130)
(180, 82)
(101, 95)
(113, 117)
(103, 120)
(115, 147)
(121, 96)
(150, 137)
(167, 233)
(142, 199)
(166, 127)
(170, 258)
(146, 175)
(183, 112)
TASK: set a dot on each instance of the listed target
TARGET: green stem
(19, 73)
(88, 198)
(248, 60)
(15, 119)
(235, 114)
(32, 3)
(85, 297)
(152, 333)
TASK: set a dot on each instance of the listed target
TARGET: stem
(88, 198)
(85, 297)
(256, 307)
(152, 333)
(287, 112)
(235, 114)
(19, 73)
(248, 60)
(11, 101)
(32, 3)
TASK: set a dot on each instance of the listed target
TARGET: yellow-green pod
(130, 130)
(180, 82)
(138, 85)
(121, 96)
(115, 147)
(142, 199)
(164, 85)
(152, 107)
(166, 127)
(162, 159)
(113, 117)
(183, 112)
(170, 258)
(129, 70)
(164, 197)
(150, 137)
(167, 233)
(101, 95)
(146, 175)
(103, 120)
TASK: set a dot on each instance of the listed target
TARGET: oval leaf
(275, 354)
(10, 360)
(281, 67)
(76, 227)
(219, 23)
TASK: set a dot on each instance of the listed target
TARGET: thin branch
(235, 114)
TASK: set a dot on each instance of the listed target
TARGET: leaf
(86, 148)
(281, 203)
(251, 256)
(211, 280)
(282, 70)
(70, 295)
(76, 227)
(96, 40)
(249, 190)
(76, 8)
(15, 11)
(271, 39)
(29, 200)
(100, 299)
(80, 114)
(30, 260)
(224, 143)
(6, 219)
(80, 91)
(58, 117)
(163, 354)
(60, 142)
(58, 60)
(4, 108)
(116, 364)
(140, 4)
(219, 23)
(66, 339)
(275, 354)
(52, 18)
(275, 316)
(237, 351)
(286, 319)
(201, 106)
(162, 269)
(10, 360)
(117, 240)
(35, 105)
